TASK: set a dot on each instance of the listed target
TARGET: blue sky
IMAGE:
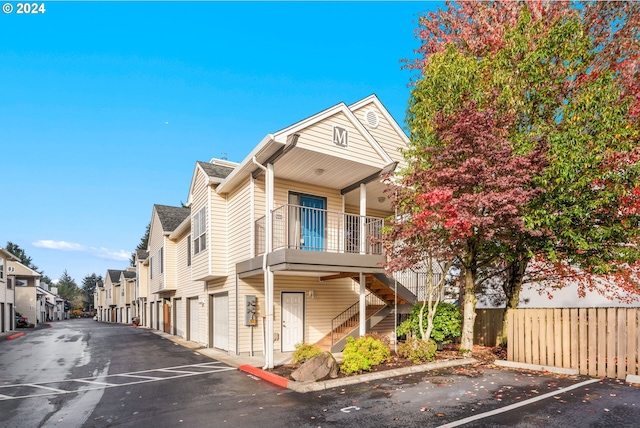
(106, 106)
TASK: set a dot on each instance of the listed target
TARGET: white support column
(363, 213)
(363, 249)
(363, 305)
(268, 274)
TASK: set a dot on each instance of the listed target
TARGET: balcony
(311, 229)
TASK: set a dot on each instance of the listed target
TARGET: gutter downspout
(268, 275)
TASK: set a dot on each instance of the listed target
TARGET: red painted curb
(15, 336)
(270, 377)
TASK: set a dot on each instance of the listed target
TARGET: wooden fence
(487, 327)
(598, 342)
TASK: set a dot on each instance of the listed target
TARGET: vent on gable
(11, 269)
(371, 117)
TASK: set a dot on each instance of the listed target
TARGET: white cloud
(101, 252)
(59, 245)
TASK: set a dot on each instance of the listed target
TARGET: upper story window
(151, 267)
(200, 230)
(1, 268)
(161, 259)
(189, 250)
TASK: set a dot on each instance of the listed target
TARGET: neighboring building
(30, 297)
(280, 248)
(141, 286)
(7, 291)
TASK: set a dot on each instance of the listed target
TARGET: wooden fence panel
(596, 341)
(575, 337)
(621, 350)
(583, 340)
(632, 344)
(487, 329)
(611, 342)
(601, 357)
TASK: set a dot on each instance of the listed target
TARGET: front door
(292, 320)
(312, 223)
(221, 321)
(166, 317)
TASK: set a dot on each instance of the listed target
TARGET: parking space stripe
(139, 378)
(516, 405)
(94, 382)
(46, 387)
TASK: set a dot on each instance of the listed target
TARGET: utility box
(250, 314)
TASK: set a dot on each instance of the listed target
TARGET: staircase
(348, 323)
(379, 301)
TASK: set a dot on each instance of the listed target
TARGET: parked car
(21, 322)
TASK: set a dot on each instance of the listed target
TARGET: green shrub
(418, 350)
(304, 352)
(447, 323)
(363, 353)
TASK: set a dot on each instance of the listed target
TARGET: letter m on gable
(340, 136)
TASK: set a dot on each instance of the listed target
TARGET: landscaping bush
(304, 352)
(418, 350)
(363, 353)
(447, 323)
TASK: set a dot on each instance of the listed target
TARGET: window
(9, 283)
(1, 268)
(189, 250)
(151, 267)
(161, 259)
(200, 231)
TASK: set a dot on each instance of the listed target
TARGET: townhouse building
(281, 248)
(7, 292)
(29, 295)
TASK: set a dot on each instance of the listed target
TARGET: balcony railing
(313, 229)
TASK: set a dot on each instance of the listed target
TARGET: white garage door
(179, 317)
(221, 321)
(193, 320)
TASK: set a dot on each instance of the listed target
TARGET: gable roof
(171, 217)
(271, 143)
(142, 254)
(114, 275)
(215, 170)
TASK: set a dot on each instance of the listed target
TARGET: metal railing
(313, 229)
(349, 319)
(417, 282)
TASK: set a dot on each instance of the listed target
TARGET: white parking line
(516, 405)
(46, 387)
(94, 384)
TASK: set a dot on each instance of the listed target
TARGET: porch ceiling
(338, 173)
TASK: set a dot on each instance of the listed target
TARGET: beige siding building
(7, 292)
(281, 248)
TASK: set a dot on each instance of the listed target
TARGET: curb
(327, 384)
(265, 375)
(536, 367)
(15, 336)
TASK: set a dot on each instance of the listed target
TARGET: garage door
(193, 319)
(178, 314)
(221, 321)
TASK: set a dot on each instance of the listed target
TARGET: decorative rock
(317, 368)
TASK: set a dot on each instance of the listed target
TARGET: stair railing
(349, 319)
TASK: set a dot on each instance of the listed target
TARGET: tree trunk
(469, 314)
(511, 287)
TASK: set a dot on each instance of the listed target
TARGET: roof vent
(371, 117)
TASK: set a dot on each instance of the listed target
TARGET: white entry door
(221, 321)
(193, 319)
(292, 320)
